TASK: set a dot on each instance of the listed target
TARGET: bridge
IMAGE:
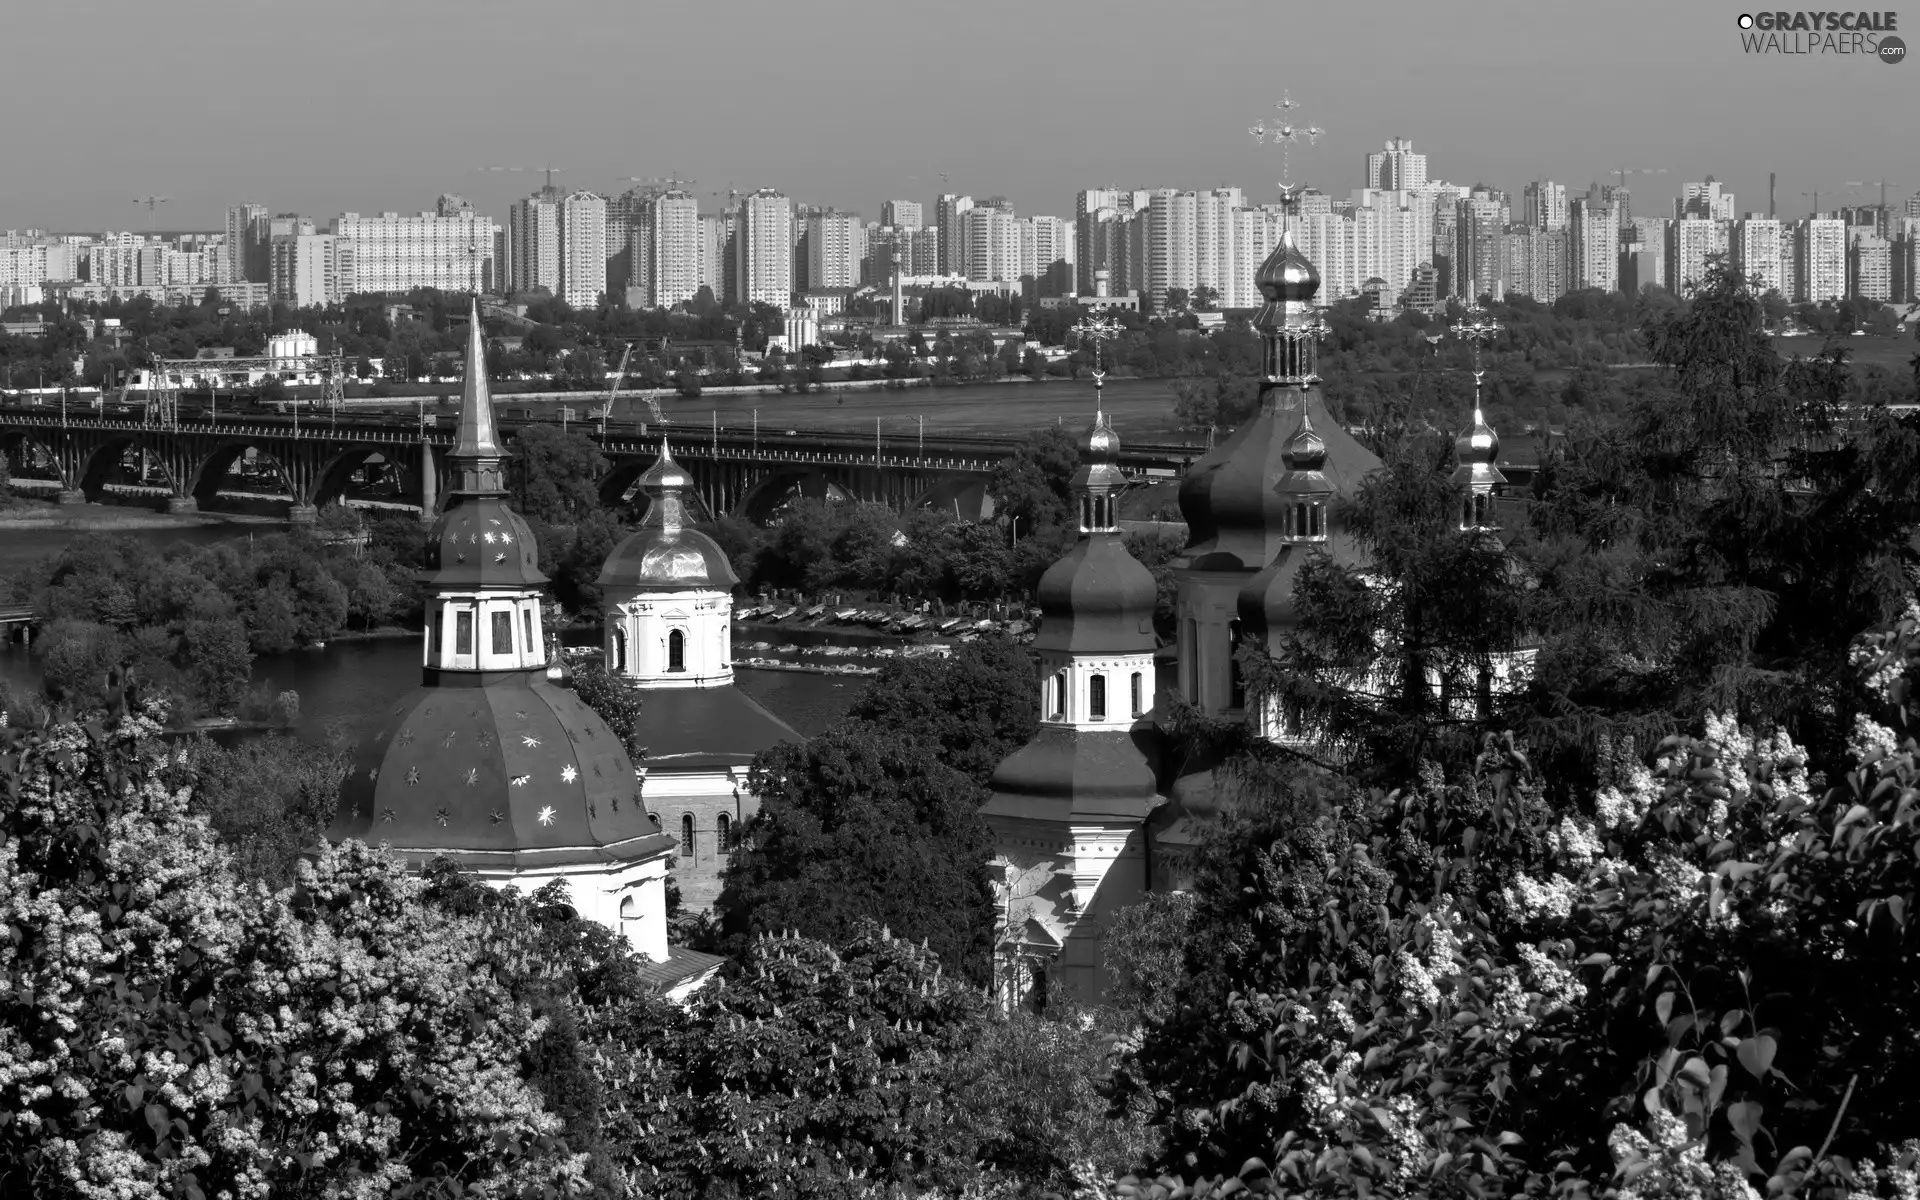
(313, 459)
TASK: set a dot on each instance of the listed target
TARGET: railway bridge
(314, 459)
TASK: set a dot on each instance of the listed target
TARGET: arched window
(463, 632)
(686, 835)
(619, 649)
(526, 615)
(1058, 710)
(629, 908)
(676, 651)
(1300, 519)
(1097, 698)
(439, 634)
(1037, 986)
(502, 631)
(726, 833)
(1318, 520)
(655, 818)
(1136, 694)
(1236, 687)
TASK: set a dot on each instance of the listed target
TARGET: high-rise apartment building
(1869, 266)
(451, 251)
(1704, 199)
(533, 235)
(1643, 255)
(243, 261)
(672, 251)
(1691, 241)
(763, 249)
(1167, 236)
(1396, 168)
(1906, 259)
(1046, 256)
(1593, 238)
(1392, 234)
(1536, 262)
(901, 214)
(716, 270)
(1213, 256)
(1480, 263)
(583, 249)
(989, 244)
(1543, 205)
(948, 214)
(836, 243)
(1820, 260)
(312, 269)
(1755, 251)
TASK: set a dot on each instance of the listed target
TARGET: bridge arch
(17, 443)
(96, 464)
(780, 487)
(964, 495)
(331, 479)
(212, 471)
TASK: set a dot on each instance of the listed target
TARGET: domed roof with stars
(664, 553)
(493, 767)
(511, 770)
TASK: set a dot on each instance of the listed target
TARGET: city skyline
(1488, 97)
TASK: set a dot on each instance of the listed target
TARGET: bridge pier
(302, 514)
(182, 504)
(70, 496)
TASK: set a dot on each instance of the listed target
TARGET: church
(1087, 818)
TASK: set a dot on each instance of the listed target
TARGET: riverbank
(112, 518)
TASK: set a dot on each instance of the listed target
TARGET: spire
(665, 483)
(476, 456)
(1304, 489)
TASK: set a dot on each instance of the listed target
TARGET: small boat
(783, 614)
(983, 626)
(814, 612)
(846, 614)
(950, 624)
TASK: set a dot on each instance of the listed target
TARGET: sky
(381, 105)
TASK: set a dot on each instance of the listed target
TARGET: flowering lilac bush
(166, 1030)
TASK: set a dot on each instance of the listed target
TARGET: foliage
(1145, 949)
(559, 473)
(617, 702)
(269, 798)
(172, 1031)
(857, 825)
(972, 708)
(1030, 487)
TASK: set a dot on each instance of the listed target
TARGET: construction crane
(1816, 200)
(550, 171)
(1882, 184)
(613, 393)
(152, 202)
(1623, 172)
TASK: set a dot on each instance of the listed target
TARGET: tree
(560, 472)
(858, 825)
(269, 798)
(617, 702)
(218, 663)
(1030, 486)
(971, 708)
(211, 1038)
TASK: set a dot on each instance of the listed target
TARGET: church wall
(673, 796)
(1069, 881)
(628, 898)
(639, 635)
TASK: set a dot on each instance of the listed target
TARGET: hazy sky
(374, 105)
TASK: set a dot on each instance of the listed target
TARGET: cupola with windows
(488, 763)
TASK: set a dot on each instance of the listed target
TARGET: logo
(1867, 34)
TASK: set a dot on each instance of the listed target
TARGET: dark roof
(1233, 514)
(682, 965)
(1097, 598)
(1065, 773)
(496, 768)
(685, 729)
(480, 542)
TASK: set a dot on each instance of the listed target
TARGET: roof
(684, 971)
(1065, 773)
(480, 542)
(496, 768)
(476, 437)
(663, 554)
(686, 729)
(1234, 517)
(1097, 598)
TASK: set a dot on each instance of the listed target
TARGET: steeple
(1476, 450)
(476, 456)
(664, 485)
(1096, 485)
(1304, 488)
(1288, 283)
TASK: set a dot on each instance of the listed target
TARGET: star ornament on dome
(546, 815)
(568, 774)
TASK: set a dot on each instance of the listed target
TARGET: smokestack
(1769, 195)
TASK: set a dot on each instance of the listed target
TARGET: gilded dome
(1478, 444)
(649, 559)
(1287, 274)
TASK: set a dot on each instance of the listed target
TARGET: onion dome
(1266, 605)
(1287, 274)
(1236, 520)
(1097, 598)
(1475, 452)
(510, 771)
(478, 540)
(664, 553)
